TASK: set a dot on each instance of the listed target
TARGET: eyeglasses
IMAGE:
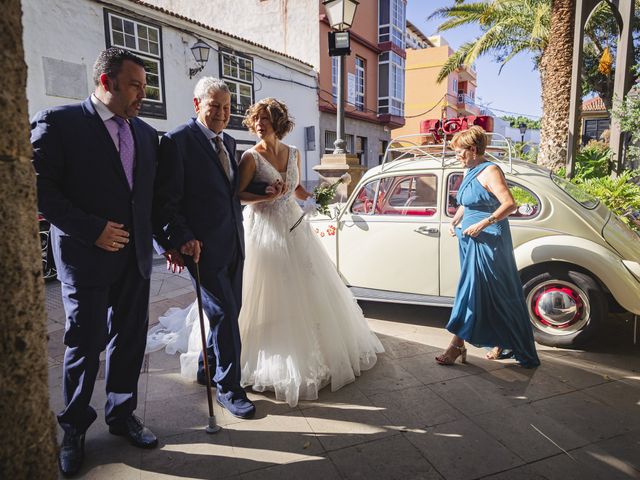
(460, 152)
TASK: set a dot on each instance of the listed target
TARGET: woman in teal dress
(489, 308)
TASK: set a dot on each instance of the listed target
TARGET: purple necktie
(126, 147)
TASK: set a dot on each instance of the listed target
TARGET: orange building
(374, 80)
(424, 97)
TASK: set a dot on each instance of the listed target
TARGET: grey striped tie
(222, 155)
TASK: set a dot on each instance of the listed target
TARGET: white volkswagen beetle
(390, 240)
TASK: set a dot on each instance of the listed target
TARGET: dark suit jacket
(194, 198)
(81, 185)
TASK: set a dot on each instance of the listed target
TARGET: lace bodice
(265, 172)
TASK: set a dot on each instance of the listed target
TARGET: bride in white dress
(301, 328)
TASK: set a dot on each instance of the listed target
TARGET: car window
(528, 205)
(453, 184)
(414, 195)
(363, 203)
(575, 192)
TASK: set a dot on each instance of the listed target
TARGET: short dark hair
(110, 62)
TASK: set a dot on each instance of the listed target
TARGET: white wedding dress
(301, 328)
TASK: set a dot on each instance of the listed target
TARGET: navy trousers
(221, 301)
(115, 317)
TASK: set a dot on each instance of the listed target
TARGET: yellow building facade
(425, 98)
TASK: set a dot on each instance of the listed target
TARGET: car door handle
(424, 230)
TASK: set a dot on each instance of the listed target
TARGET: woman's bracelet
(491, 219)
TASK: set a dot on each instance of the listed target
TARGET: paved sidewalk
(575, 417)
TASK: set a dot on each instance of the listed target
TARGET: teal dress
(489, 308)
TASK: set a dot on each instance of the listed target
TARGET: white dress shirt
(211, 137)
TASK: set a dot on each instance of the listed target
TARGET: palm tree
(556, 70)
(543, 28)
(27, 438)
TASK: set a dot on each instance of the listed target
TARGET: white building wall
(73, 31)
(502, 127)
(294, 31)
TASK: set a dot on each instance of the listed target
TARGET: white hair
(207, 86)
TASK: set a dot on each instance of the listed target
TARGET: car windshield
(575, 192)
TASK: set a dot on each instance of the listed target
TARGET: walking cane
(212, 427)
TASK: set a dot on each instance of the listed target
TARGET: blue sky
(516, 89)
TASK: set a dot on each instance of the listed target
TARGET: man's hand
(113, 237)
(452, 229)
(193, 249)
(175, 262)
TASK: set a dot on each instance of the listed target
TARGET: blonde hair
(473, 137)
(278, 113)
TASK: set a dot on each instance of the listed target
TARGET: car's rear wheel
(566, 307)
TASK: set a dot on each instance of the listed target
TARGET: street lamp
(200, 52)
(523, 130)
(340, 14)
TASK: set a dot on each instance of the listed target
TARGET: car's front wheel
(566, 307)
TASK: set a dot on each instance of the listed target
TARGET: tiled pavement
(575, 417)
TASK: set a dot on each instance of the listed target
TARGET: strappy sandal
(450, 355)
(494, 354)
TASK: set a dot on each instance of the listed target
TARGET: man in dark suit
(197, 206)
(95, 165)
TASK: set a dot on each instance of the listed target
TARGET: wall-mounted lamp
(200, 52)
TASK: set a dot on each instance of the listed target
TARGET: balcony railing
(466, 99)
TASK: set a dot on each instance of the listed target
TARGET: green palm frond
(508, 27)
(540, 28)
(454, 62)
(516, 50)
(462, 14)
(463, 10)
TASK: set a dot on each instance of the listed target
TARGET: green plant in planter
(593, 161)
(526, 151)
(620, 194)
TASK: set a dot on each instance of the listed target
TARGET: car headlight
(633, 267)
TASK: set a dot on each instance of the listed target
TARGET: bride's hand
(275, 190)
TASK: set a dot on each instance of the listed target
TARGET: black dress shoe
(71, 454)
(236, 403)
(135, 431)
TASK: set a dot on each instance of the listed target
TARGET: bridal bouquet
(321, 198)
